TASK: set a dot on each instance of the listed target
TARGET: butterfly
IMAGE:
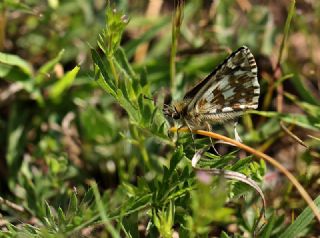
(226, 93)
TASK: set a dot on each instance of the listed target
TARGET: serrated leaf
(121, 56)
(129, 89)
(108, 79)
(241, 163)
(102, 83)
(133, 113)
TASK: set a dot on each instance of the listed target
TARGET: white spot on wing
(228, 94)
(227, 109)
(255, 99)
(224, 82)
(256, 83)
(251, 106)
(208, 95)
(256, 91)
(238, 72)
(230, 64)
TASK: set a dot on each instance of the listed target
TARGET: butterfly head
(174, 111)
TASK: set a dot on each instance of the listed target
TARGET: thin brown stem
(3, 23)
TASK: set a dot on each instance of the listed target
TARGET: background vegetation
(85, 149)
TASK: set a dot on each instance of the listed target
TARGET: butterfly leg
(192, 135)
(209, 128)
(178, 132)
(236, 135)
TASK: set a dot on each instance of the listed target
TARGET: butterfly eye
(175, 113)
(167, 110)
(176, 116)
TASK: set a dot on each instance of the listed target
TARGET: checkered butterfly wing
(232, 87)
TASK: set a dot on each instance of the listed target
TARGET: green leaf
(287, 29)
(4, 70)
(97, 126)
(121, 56)
(129, 90)
(127, 105)
(292, 118)
(130, 224)
(269, 228)
(16, 139)
(102, 211)
(16, 6)
(61, 216)
(14, 60)
(63, 84)
(106, 81)
(109, 39)
(48, 212)
(102, 83)
(74, 203)
(47, 67)
(299, 84)
(224, 235)
(302, 221)
(176, 158)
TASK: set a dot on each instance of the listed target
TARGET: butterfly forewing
(225, 94)
(232, 87)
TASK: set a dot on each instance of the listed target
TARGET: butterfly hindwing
(232, 86)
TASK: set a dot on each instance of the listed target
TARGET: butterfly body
(198, 120)
(224, 94)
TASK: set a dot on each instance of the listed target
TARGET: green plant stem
(102, 211)
(173, 60)
(277, 70)
(286, 31)
(176, 24)
(113, 70)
